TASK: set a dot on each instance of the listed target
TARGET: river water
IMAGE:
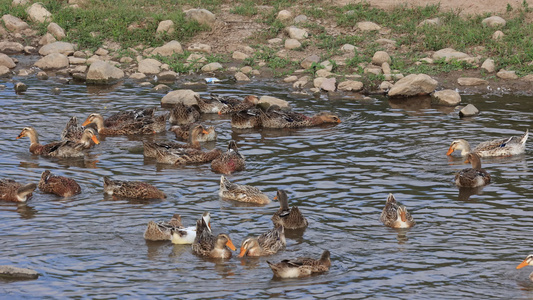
(90, 246)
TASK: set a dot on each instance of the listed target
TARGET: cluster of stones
(101, 67)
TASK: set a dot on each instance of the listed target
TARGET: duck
(527, 262)
(289, 218)
(235, 105)
(472, 177)
(208, 245)
(131, 189)
(187, 235)
(209, 106)
(276, 118)
(184, 156)
(182, 114)
(395, 215)
(499, 147)
(151, 148)
(72, 131)
(128, 116)
(266, 244)
(58, 185)
(160, 231)
(244, 119)
(242, 193)
(141, 125)
(301, 267)
(12, 191)
(61, 148)
(229, 162)
(182, 133)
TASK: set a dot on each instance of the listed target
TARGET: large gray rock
(329, 84)
(292, 44)
(14, 24)
(187, 97)
(447, 97)
(149, 66)
(38, 13)
(274, 101)
(4, 71)
(11, 47)
(413, 85)
(380, 57)
(202, 16)
(468, 111)
(11, 272)
(7, 61)
(449, 54)
(57, 47)
(488, 65)
(101, 72)
(471, 81)
(167, 76)
(53, 61)
(504, 74)
(168, 49)
(297, 33)
(56, 31)
(494, 21)
(240, 76)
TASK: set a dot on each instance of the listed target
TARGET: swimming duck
(72, 131)
(395, 215)
(182, 133)
(301, 267)
(131, 189)
(235, 105)
(290, 218)
(242, 193)
(472, 177)
(10, 190)
(151, 148)
(144, 125)
(206, 244)
(499, 147)
(59, 185)
(127, 116)
(182, 114)
(183, 156)
(229, 162)
(61, 148)
(160, 231)
(276, 118)
(209, 106)
(187, 235)
(250, 118)
(527, 262)
(266, 244)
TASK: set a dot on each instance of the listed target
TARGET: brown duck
(266, 244)
(131, 189)
(241, 193)
(210, 106)
(182, 114)
(276, 118)
(229, 162)
(236, 105)
(290, 218)
(61, 148)
(208, 245)
(10, 190)
(161, 231)
(396, 215)
(472, 177)
(301, 267)
(182, 133)
(144, 125)
(152, 148)
(59, 185)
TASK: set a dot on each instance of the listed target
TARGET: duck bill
(243, 252)
(450, 151)
(467, 161)
(230, 245)
(219, 112)
(95, 140)
(205, 131)
(339, 120)
(522, 264)
(20, 135)
(87, 122)
(276, 197)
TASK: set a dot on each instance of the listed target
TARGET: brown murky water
(90, 246)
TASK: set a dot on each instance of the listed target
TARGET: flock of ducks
(246, 113)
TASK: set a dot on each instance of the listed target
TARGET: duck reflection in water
(465, 193)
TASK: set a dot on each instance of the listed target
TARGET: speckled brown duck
(235, 105)
(244, 119)
(396, 215)
(230, 161)
(161, 231)
(474, 176)
(187, 235)
(301, 267)
(267, 243)
(12, 191)
(127, 116)
(241, 193)
(183, 156)
(144, 125)
(208, 245)
(183, 133)
(182, 114)
(58, 185)
(152, 148)
(210, 106)
(276, 118)
(499, 147)
(72, 131)
(290, 218)
(131, 189)
(60, 148)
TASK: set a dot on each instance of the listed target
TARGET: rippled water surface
(92, 246)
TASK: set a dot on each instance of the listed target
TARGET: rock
(386, 42)
(528, 78)
(498, 35)
(431, 22)
(56, 31)
(468, 111)
(55, 91)
(494, 21)
(138, 76)
(30, 50)
(161, 88)
(101, 72)
(166, 26)
(292, 44)
(202, 16)
(149, 66)
(372, 70)
(290, 79)
(211, 67)
(300, 19)
(385, 86)
(239, 76)
(308, 61)
(386, 68)
(504, 74)
(38, 13)
(327, 65)
(4, 71)
(317, 82)
(48, 38)
(237, 55)
(246, 69)
(329, 84)
(57, 47)
(14, 24)
(199, 47)
(20, 87)
(11, 272)
(347, 48)
(53, 61)
(11, 47)
(7, 61)
(301, 82)
(323, 73)
(24, 72)
(447, 97)
(367, 26)
(488, 65)
(20, 2)
(427, 60)
(167, 76)
(350, 86)
(274, 101)
(42, 75)
(297, 33)
(168, 49)
(413, 85)
(196, 58)
(125, 60)
(76, 61)
(471, 81)
(187, 97)
(101, 52)
(380, 57)
(448, 54)
(284, 15)
(275, 41)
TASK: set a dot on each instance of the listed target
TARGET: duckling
(229, 162)
(59, 185)
(242, 193)
(182, 133)
(61, 148)
(527, 262)
(206, 244)
(472, 177)
(160, 231)
(144, 125)
(395, 215)
(182, 114)
(290, 218)
(131, 189)
(266, 244)
(10, 190)
(499, 147)
(301, 267)
(183, 236)
(151, 148)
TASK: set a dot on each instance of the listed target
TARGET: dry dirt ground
(234, 32)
